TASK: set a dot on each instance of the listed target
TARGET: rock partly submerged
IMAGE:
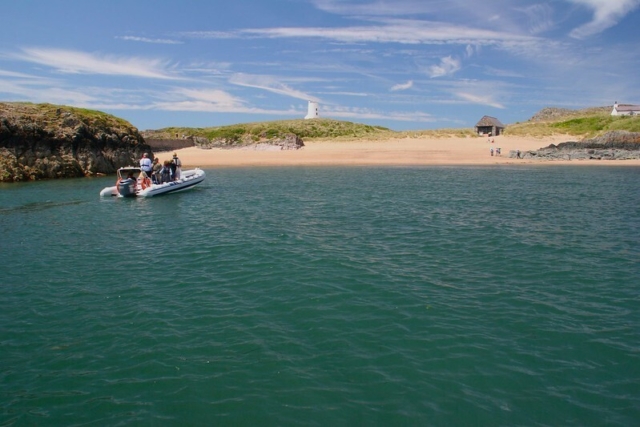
(614, 145)
(44, 141)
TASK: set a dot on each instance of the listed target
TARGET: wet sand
(392, 152)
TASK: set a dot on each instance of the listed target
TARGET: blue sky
(402, 64)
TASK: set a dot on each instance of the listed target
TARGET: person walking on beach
(491, 151)
(518, 154)
(178, 167)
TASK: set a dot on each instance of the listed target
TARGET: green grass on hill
(305, 129)
(586, 125)
(54, 115)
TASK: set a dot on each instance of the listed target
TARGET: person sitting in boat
(165, 172)
(143, 180)
(157, 167)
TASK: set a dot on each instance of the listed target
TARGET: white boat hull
(188, 180)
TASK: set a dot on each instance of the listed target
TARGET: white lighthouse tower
(312, 112)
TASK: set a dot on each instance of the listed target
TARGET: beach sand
(392, 152)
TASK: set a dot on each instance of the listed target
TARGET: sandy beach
(393, 152)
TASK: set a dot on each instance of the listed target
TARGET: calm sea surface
(325, 297)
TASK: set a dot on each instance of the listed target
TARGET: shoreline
(452, 151)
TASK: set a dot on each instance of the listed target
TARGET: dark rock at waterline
(44, 141)
(614, 145)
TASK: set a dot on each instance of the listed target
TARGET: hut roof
(627, 107)
(489, 121)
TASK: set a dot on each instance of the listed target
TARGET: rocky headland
(44, 141)
(613, 145)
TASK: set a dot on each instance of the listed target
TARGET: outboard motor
(127, 187)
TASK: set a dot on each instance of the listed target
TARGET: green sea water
(325, 297)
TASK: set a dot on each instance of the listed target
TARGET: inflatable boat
(131, 183)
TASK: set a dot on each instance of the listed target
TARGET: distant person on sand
(178, 167)
(518, 154)
(491, 151)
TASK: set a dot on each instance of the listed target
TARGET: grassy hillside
(50, 116)
(305, 129)
(583, 123)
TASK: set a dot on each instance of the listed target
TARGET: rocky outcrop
(554, 114)
(43, 141)
(615, 145)
(247, 142)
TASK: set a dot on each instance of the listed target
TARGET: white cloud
(148, 40)
(482, 100)
(402, 86)
(406, 31)
(447, 66)
(14, 74)
(365, 113)
(373, 9)
(540, 17)
(54, 95)
(606, 14)
(269, 84)
(211, 96)
(75, 62)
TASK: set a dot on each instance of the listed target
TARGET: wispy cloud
(402, 86)
(540, 17)
(606, 14)
(75, 62)
(482, 100)
(365, 113)
(148, 40)
(406, 31)
(217, 97)
(378, 8)
(209, 34)
(45, 93)
(447, 66)
(269, 84)
(14, 74)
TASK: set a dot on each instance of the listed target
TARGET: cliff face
(42, 141)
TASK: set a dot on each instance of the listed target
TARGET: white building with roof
(625, 109)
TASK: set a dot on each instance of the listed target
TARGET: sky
(401, 64)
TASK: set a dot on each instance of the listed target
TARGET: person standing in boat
(176, 167)
(157, 167)
(145, 164)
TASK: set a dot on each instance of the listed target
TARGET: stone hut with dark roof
(489, 126)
